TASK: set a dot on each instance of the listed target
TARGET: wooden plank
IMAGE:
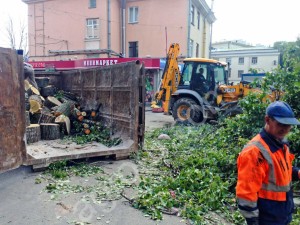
(44, 152)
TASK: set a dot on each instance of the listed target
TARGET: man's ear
(267, 119)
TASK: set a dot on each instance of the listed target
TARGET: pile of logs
(50, 113)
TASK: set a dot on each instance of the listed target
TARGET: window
(197, 50)
(92, 28)
(193, 15)
(133, 49)
(254, 60)
(240, 72)
(190, 69)
(241, 60)
(191, 47)
(198, 20)
(92, 4)
(133, 14)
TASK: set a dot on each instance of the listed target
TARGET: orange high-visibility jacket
(263, 175)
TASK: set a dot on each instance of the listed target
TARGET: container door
(12, 110)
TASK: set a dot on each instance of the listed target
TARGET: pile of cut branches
(193, 174)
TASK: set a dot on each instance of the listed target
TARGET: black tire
(196, 114)
(186, 111)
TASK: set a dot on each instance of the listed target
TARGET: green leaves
(198, 164)
(98, 134)
(196, 169)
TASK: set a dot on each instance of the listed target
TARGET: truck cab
(202, 75)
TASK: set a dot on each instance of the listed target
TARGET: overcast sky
(253, 21)
(256, 21)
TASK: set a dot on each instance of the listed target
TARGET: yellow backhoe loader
(200, 92)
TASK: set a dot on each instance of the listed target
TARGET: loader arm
(170, 78)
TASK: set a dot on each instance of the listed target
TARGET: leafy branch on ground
(63, 178)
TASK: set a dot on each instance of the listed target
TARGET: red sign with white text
(91, 62)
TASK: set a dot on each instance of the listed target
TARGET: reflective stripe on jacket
(264, 176)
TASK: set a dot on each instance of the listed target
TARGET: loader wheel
(196, 114)
(186, 111)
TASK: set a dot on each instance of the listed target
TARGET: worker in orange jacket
(265, 172)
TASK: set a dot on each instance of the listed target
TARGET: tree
(17, 40)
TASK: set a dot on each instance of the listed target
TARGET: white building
(241, 57)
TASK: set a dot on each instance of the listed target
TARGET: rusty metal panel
(116, 88)
(12, 110)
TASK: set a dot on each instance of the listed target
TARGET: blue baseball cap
(282, 113)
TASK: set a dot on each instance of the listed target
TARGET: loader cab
(202, 74)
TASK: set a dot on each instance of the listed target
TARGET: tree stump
(33, 133)
(50, 131)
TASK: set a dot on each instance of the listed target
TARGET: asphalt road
(157, 120)
(25, 203)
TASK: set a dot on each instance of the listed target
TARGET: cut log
(49, 90)
(65, 109)
(35, 106)
(37, 98)
(27, 118)
(33, 133)
(50, 131)
(42, 81)
(35, 118)
(46, 118)
(26, 85)
(35, 91)
(51, 102)
(46, 110)
(43, 116)
(64, 123)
